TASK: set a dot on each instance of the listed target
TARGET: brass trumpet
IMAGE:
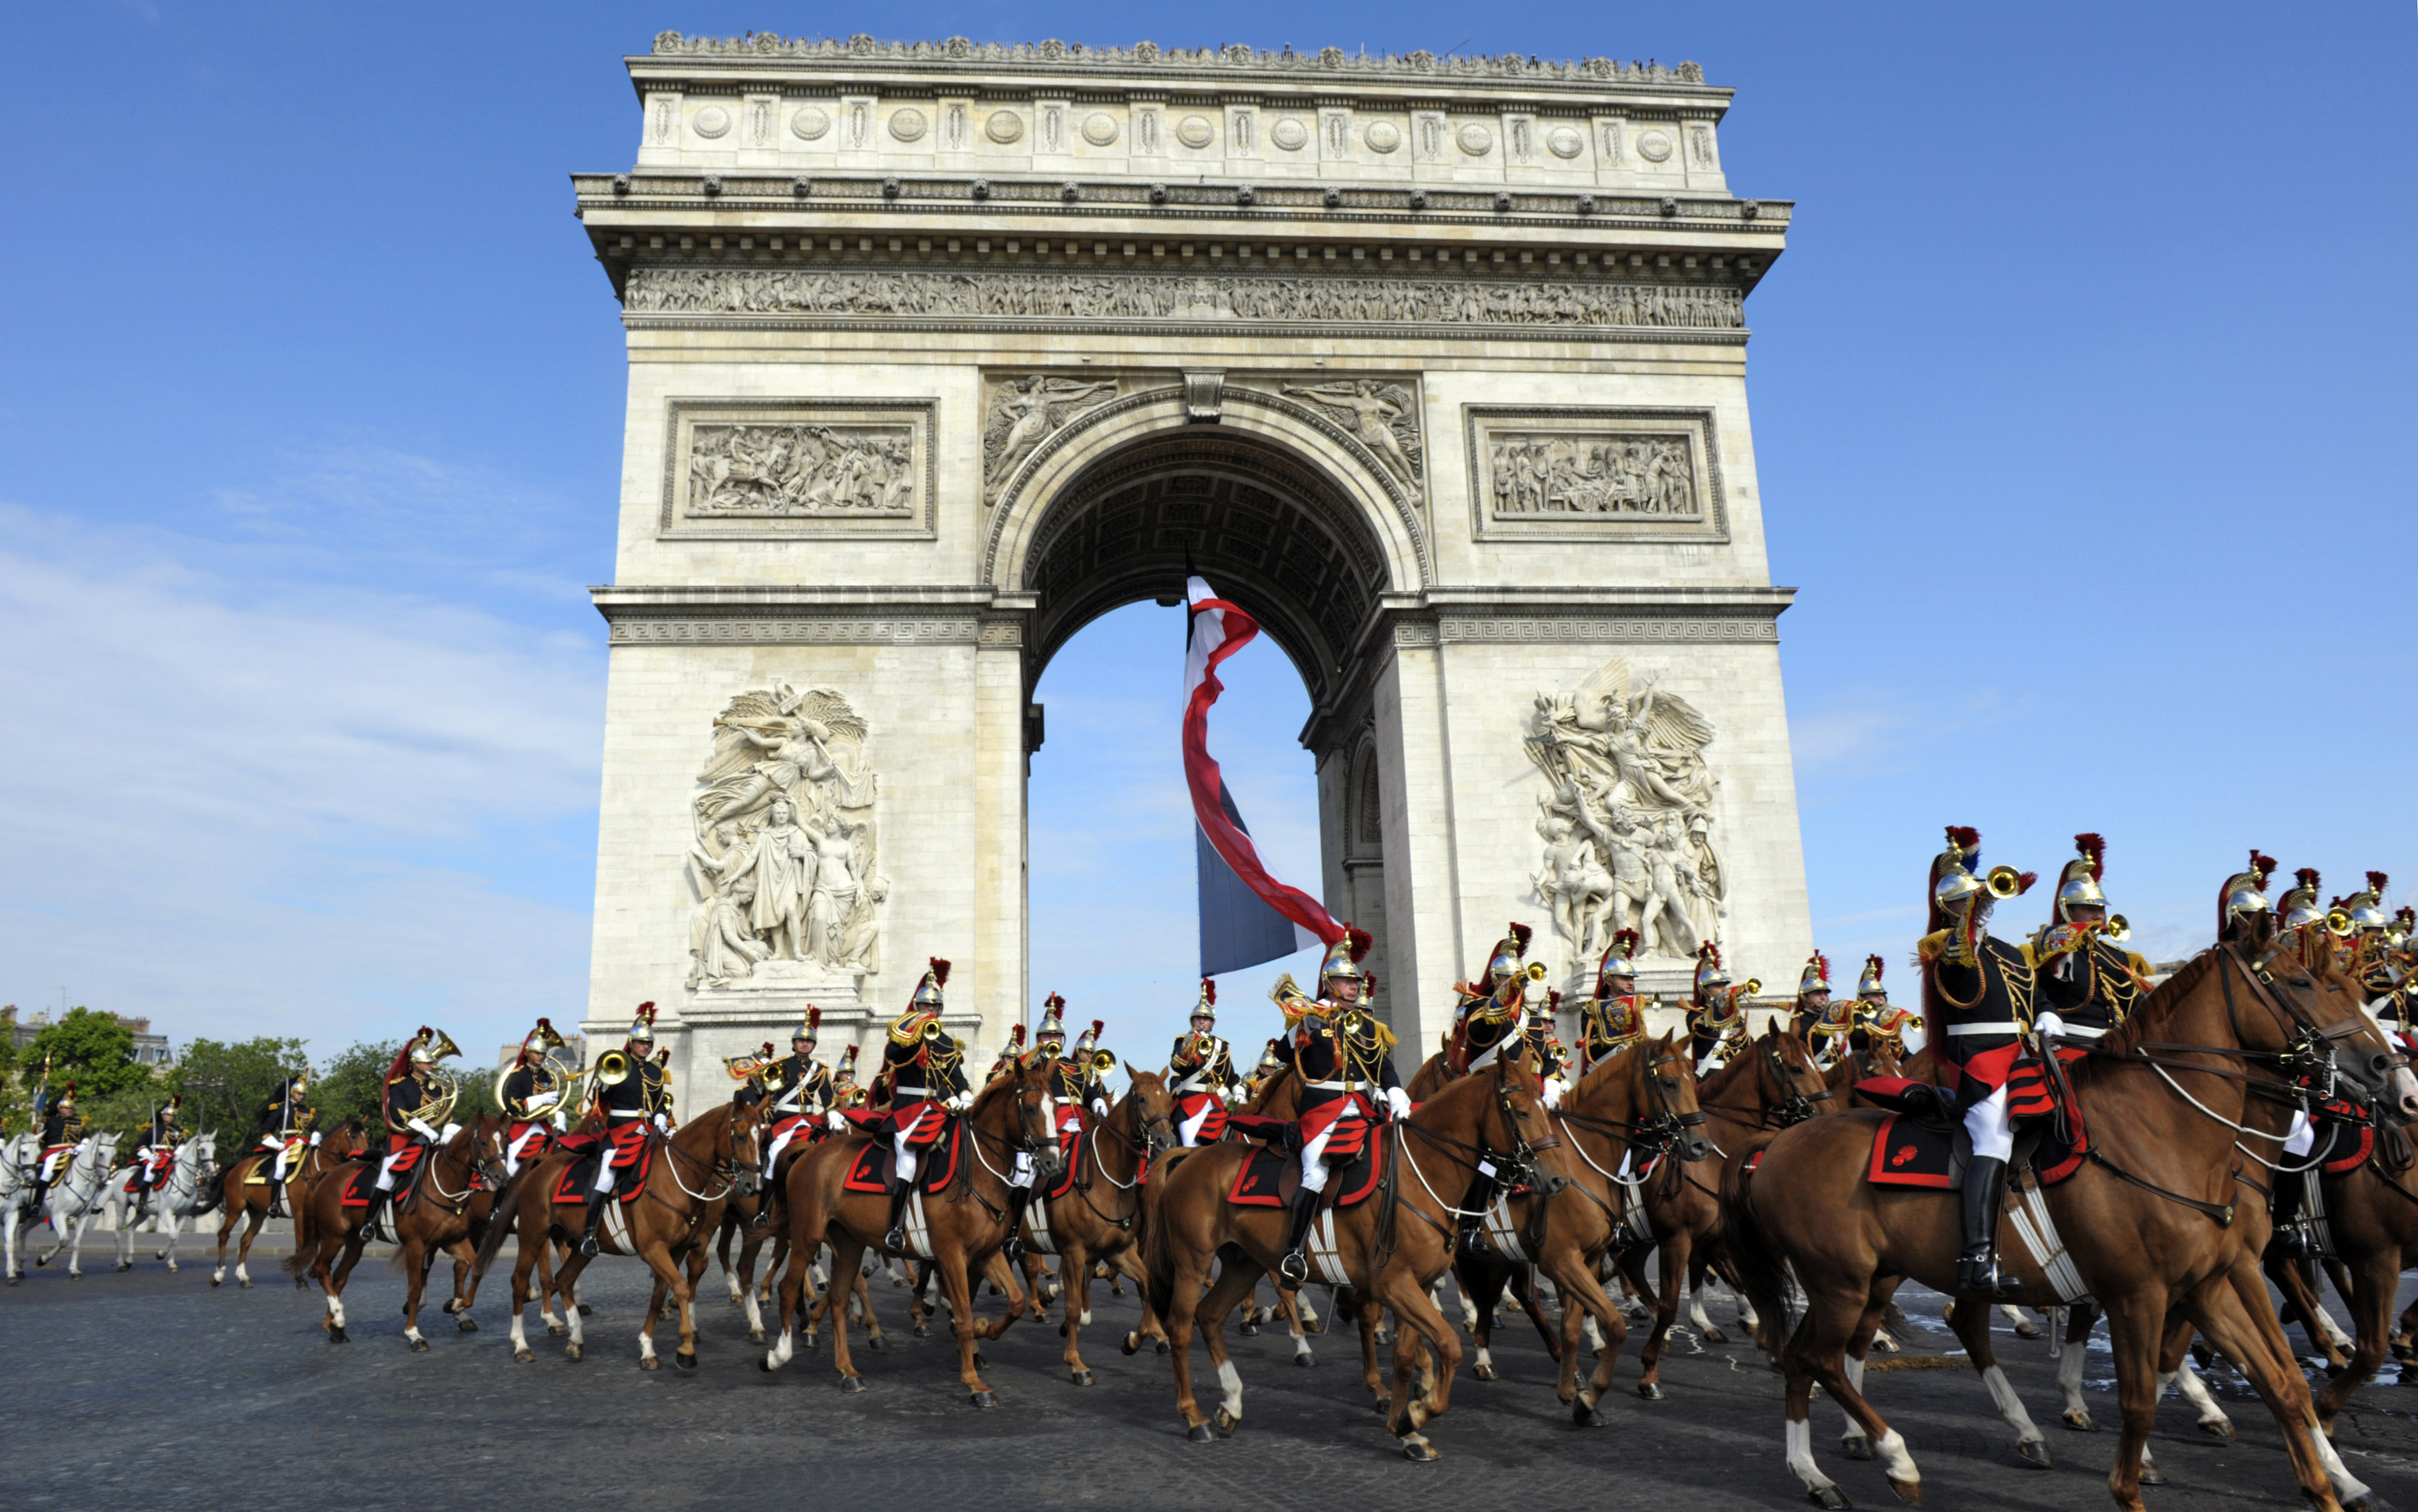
(2338, 923)
(1537, 972)
(1750, 986)
(2004, 881)
(612, 1069)
(1103, 1062)
(2120, 928)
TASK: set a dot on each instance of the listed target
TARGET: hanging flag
(1233, 934)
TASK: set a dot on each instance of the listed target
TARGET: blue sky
(2082, 398)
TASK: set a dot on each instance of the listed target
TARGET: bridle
(1511, 1170)
(736, 1175)
(2306, 1071)
(1657, 1130)
(1791, 1106)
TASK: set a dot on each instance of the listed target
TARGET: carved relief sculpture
(1536, 474)
(1383, 416)
(1628, 823)
(1025, 412)
(786, 856)
(770, 472)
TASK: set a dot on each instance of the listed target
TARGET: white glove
(451, 1130)
(835, 1122)
(961, 1102)
(1238, 1093)
(1100, 1106)
(543, 1099)
(664, 1122)
(315, 1140)
(1554, 1087)
(424, 1129)
(2047, 1025)
(1399, 1101)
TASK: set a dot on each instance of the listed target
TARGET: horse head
(2316, 1024)
(745, 1153)
(483, 1150)
(1518, 1128)
(1664, 1097)
(1148, 1113)
(1016, 1113)
(1788, 1082)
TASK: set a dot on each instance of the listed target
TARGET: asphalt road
(152, 1390)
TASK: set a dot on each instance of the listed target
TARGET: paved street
(151, 1390)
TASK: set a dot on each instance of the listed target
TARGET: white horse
(17, 1157)
(73, 1201)
(180, 1198)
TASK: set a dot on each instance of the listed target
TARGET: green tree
(353, 1084)
(16, 1107)
(93, 1051)
(225, 1086)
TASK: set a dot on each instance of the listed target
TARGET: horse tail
(501, 1218)
(1762, 1272)
(1159, 1263)
(211, 1193)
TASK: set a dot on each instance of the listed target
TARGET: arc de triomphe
(940, 350)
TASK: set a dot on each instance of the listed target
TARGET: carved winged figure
(1027, 413)
(1380, 416)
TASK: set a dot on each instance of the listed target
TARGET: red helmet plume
(2094, 849)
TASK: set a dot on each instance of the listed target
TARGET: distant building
(149, 1049)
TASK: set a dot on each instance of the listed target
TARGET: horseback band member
(1010, 1055)
(1075, 1084)
(845, 1091)
(532, 1098)
(924, 1067)
(1977, 989)
(63, 1137)
(2242, 907)
(408, 1089)
(156, 1153)
(805, 1091)
(1201, 1073)
(1614, 1018)
(1717, 1013)
(636, 1108)
(283, 1119)
(1343, 1058)
(2088, 982)
(1824, 1025)
(1271, 1062)
(1878, 1021)
(2370, 945)
(1496, 1017)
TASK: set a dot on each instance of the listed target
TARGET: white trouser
(1993, 1131)
(2302, 1135)
(780, 1143)
(1189, 1129)
(513, 1150)
(899, 1141)
(386, 1170)
(52, 1163)
(1313, 1168)
(280, 1172)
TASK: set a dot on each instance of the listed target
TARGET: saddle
(1917, 1146)
(634, 1157)
(1268, 1178)
(875, 1164)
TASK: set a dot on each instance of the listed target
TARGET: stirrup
(1981, 1273)
(1293, 1270)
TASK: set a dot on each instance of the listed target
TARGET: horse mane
(1719, 1081)
(1617, 1060)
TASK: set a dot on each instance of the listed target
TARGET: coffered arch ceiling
(1270, 532)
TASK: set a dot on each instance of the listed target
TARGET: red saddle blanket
(1910, 1152)
(2345, 1137)
(633, 1154)
(364, 1180)
(936, 1168)
(1268, 1178)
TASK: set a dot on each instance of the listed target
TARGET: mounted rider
(409, 1087)
(1977, 991)
(156, 1153)
(637, 1107)
(845, 1091)
(532, 1097)
(2242, 910)
(924, 1067)
(1343, 1058)
(283, 1119)
(2088, 982)
(1011, 1057)
(1879, 1021)
(1496, 1019)
(802, 1098)
(1824, 1024)
(1717, 1028)
(1614, 1018)
(63, 1137)
(2373, 947)
(1201, 1073)
(1271, 1062)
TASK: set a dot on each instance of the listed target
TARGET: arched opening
(1109, 845)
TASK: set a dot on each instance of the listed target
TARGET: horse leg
(743, 1285)
(415, 1284)
(1003, 1276)
(2254, 1341)
(1078, 1309)
(1129, 1262)
(1583, 1297)
(2176, 1353)
(2375, 1278)
(956, 1289)
(1190, 1284)
(793, 1288)
(683, 1284)
(1835, 1315)
(861, 1305)
(2079, 1320)
(1676, 1251)
(1972, 1326)
(252, 1220)
(576, 1346)
(847, 1254)
(524, 1262)
(347, 1248)
(2301, 1306)
(1475, 1277)
(647, 1359)
(1422, 1324)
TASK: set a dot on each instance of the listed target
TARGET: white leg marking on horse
(1747, 1319)
(1895, 1463)
(755, 1314)
(2010, 1407)
(1594, 1335)
(1087, 1318)
(242, 1277)
(1309, 1314)
(1696, 1310)
(1301, 1348)
(217, 1276)
(2149, 1466)
(782, 1347)
(2194, 1390)
(646, 1347)
(1854, 1431)
(1232, 1380)
(336, 1309)
(2347, 1488)
(1800, 1457)
(578, 1335)
(520, 1333)
(412, 1334)
(1485, 1358)
(2068, 1378)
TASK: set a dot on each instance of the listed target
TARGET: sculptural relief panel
(1586, 474)
(737, 468)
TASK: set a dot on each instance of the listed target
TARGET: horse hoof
(2370, 1502)
(1650, 1390)
(587, 1311)
(1418, 1451)
(2028, 1329)
(245, 1283)
(1162, 1346)
(1856, 1446)
(877, 1343)
(755, 1336)
(1250, 1328)
(1304, 1359)
(851, 1383)
(1201, 1433)
(301, 1283)
(420, 1345)
(683, 1361)
(1585, 1416)
(1831, 1497)
(1908, 1491)
(572, 1352)
(923, 1332)
(2151, 1476)
(2035, 1452)
(649, 1363)
(125, 1265)
(466, 1323)
(1227, 1423)
(985, 1398)
(215, 1280)
(1714, 1336)
(2218, 1428)
(1484, 1372)
(1131, 1344)
(1081, 1378)
(524, 1355)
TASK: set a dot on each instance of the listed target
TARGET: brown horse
(242, 1202)
(2372, 1215)
(966, 1222)
(1497, 1115)
(1101, 1217)
(328, 1238)
(1629, 1109)
(450, 1202)
(2148, 1223)
(692, 1175)
(1771, 1084)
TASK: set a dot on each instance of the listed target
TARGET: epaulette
(908, 1027)
(1930, 946)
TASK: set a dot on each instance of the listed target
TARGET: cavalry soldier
(845, 1091)
(532, 1098)
(925, 1068)
(282, 1120)
(2371, 929)
(2088, 982)
(1879, 1021)
(408, 1089)
(1614, 1018)
(1496, 1017)
(2240, 904)
(156, 1153)
(804, 1086)
(636, 1108)
(1050, 1038)
(1201, 1073)
(1716, 1012)
(1271, 1062)
(1010, 1055)
(2301, 920)
(1824, 1025)
(63, 1137)
(1343, 1058)
(1978, 990)
(1075, 1080)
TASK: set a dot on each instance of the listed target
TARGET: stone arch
(1275, 511)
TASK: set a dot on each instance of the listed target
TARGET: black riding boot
(2291, 1237)
(1294, 1269)
(369, 1224)
(142, 1203)
(276, 1198)
(597, 1203)
(1473, 1207)
(895, 1238)
(1977, 1266)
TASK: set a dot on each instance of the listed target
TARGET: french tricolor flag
(1247, 917)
